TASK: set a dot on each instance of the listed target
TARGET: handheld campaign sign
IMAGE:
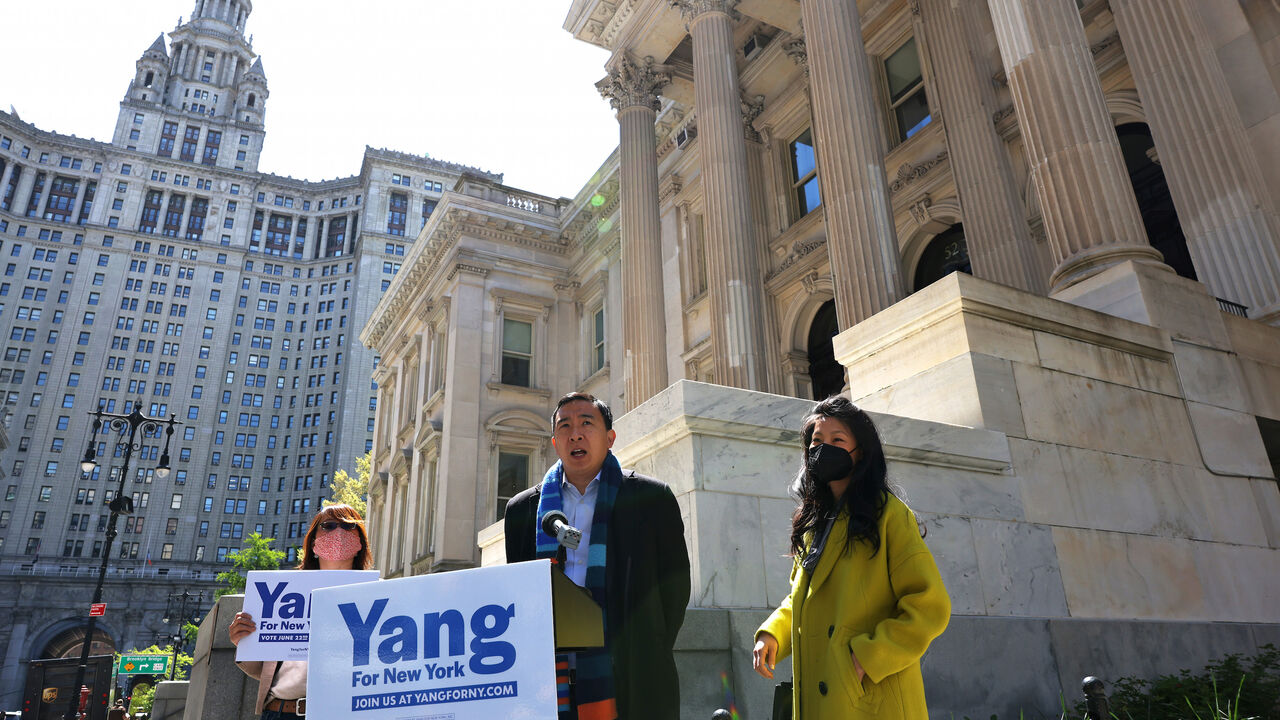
(466, 645)
(280, 603)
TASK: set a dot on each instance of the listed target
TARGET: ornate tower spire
(206, 90)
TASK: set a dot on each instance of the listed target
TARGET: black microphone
(556, 525)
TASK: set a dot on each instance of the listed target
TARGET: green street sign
(143, 665)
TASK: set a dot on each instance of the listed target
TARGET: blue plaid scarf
(595, 692)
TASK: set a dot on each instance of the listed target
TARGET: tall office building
(163, 271)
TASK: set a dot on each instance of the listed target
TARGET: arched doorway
(1159, 216)
(946, 253)
(70, 643)
(825, 374)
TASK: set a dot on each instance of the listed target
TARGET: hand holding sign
(241, 626)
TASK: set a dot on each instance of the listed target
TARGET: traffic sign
(143, 665)
(97, 609)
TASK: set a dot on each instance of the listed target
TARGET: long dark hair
(867, 496)
(363, 559)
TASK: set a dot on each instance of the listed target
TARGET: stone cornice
(632, 84)
(692, 9)
(798, 52)
(909, 173)
(447, 225)
(669, 187)
(468, 269)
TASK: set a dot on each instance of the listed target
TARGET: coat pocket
(862, 694)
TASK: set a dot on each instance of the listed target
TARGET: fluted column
(734, 282)
(995, 225)
(1216, 182)
(1090, 214)
(848, 140)
(6, 176)
(632, 89)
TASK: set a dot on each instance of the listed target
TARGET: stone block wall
(217, 689)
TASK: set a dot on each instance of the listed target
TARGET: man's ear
(553, 441)
(611, 435)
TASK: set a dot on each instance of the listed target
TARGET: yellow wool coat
(885, 609)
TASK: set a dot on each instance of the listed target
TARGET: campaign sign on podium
(466, 645)
(279, 601)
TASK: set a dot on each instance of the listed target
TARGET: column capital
(751, 108)
(692, 9)
(631, 84)
(798, 52)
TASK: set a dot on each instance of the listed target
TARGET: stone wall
(217, 689)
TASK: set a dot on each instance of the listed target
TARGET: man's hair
(601, 405)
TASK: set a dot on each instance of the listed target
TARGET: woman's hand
(241, 626)
(765, 655)
(857, 666)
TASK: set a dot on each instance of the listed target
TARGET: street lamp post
(121, 504)
(177, 636)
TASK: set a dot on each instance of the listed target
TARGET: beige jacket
(265, 674)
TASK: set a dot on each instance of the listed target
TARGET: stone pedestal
(217, 688)
(1126, 441)
(170, 700)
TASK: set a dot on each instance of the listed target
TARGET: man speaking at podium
(631, 557)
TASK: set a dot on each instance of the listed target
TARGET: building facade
(792, 172)
(163, 271)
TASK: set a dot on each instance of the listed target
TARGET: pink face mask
(336, 545)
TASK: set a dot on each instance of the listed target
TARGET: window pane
(802, 156)
(515, 370)
(808, 196)
(902, 70)
(517, 336)
(913, 114)
(513, 476)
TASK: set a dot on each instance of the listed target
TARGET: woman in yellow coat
(866, 597)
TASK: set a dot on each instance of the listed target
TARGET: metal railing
(1233, 308)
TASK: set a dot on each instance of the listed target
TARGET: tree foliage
(348, 490)
(255, 555)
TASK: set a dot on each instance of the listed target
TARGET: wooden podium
(579, 624)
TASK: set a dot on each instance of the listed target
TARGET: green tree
(348, 490)
(255, 555)
(189, 633)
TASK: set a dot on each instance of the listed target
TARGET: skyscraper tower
(163, 271)
(211, 73)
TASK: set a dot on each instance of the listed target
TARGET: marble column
(1090, 215)
(82, 186)
(995, 225)
(632, 89)
(735, 283)
(21, 197)
(849, 140)
(1216, 182)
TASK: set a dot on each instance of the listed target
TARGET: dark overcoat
(647, 584)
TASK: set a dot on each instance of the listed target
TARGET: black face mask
(829, 463)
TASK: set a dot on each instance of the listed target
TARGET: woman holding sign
(866, 596)
(336, 540)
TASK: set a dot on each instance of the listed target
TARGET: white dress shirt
(580, 508)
